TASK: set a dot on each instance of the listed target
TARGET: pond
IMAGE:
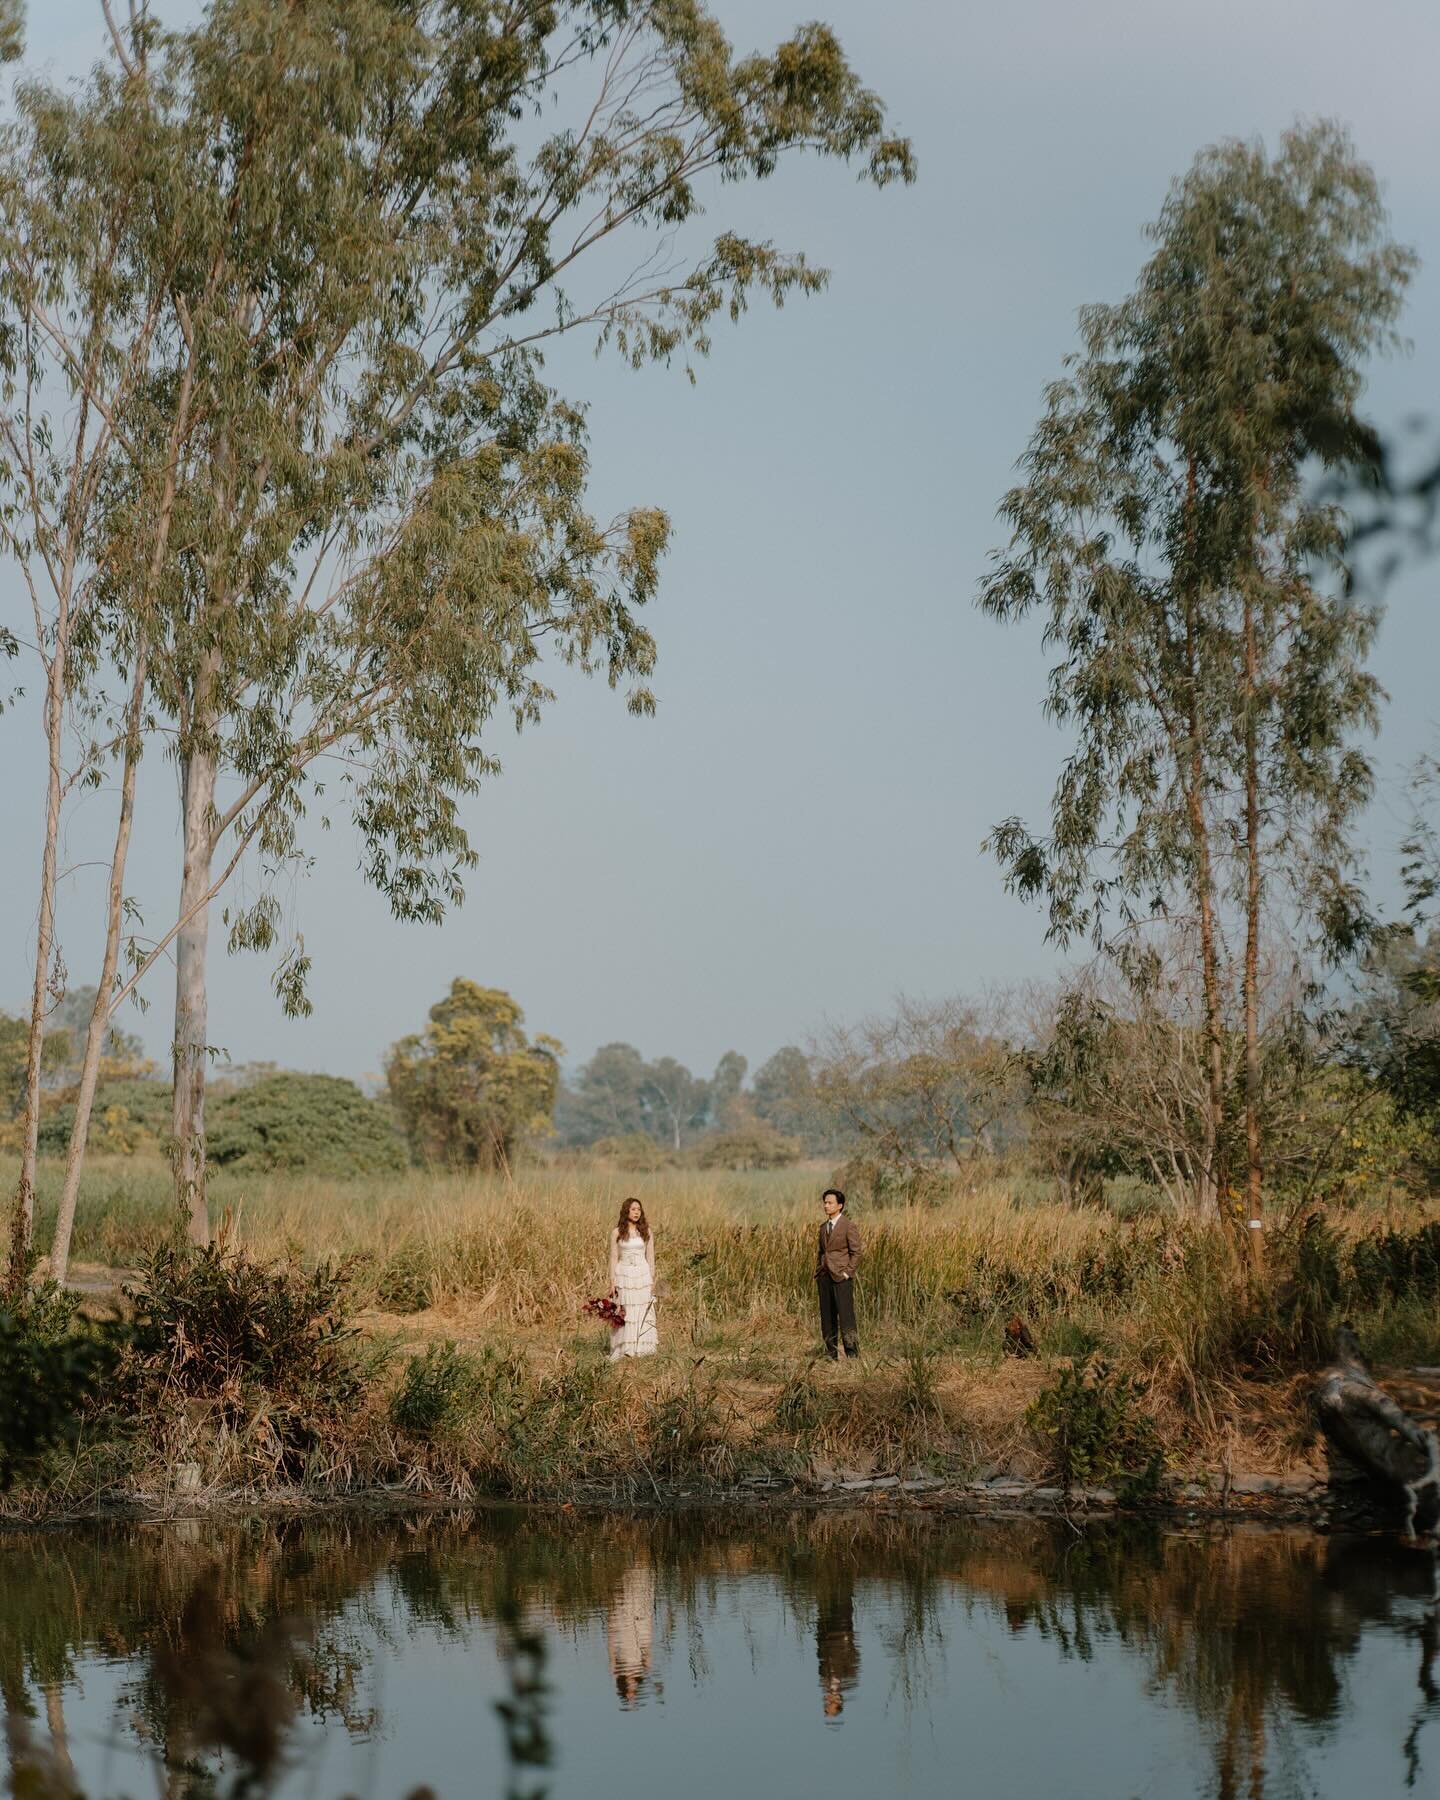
(739, 1655)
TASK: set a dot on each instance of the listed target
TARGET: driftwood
(1377, 1437)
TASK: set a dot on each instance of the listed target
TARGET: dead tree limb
(1361, 1421)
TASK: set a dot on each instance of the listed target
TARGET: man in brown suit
(837, 1258)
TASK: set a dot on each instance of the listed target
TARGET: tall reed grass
(491, 1258)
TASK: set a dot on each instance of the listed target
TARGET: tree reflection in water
(232, 1635)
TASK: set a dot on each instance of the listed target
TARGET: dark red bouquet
(606, 1309)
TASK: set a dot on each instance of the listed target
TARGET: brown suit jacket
(840, 1254)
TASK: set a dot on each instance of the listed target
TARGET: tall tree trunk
(1253, 1164)
(60, 1740)
(22, 1223)
(100, 1016)
(104, 1000)
(1212, 1175)
(191, 1046)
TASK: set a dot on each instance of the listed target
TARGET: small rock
(886, 1481)
(1254, 1484)
(857, 1484)
(1047, 1493)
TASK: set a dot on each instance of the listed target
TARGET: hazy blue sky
(796, 836)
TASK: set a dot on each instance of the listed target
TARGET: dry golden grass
(503, 1268)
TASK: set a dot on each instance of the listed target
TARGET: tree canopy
(1207, 655)
(302, 259)
(472, 1087)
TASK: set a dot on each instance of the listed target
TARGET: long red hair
(642, 1224)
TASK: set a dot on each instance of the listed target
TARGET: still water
(737, 1656)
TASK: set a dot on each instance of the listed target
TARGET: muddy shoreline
(1256, 1499)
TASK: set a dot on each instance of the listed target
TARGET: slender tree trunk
(22, 1224)
(1253, 1164)
(100, 1016)
(60, 1737)
(104, 1000)
(191, 1044)
(1212, 1180)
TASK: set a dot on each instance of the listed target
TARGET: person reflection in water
(835, 1647)
(630, 1633)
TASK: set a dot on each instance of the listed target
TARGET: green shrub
(437, 1392)
(1396, 1265)
(634, 1150)
(687, 1435)
(1312, 1298)
(799, 1406)
(316, 1123)
(127, 1115)
(1097, 1431)
(919, 1395)
(756, 1146)
(878, 1184)
(406, 1280)
(51, 1369)
(303, 1122)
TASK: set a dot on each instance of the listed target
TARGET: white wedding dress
(633, 1289)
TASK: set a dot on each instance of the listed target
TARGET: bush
(212, 1322)
(406, 1280)
(756, 1146)
(634, 1150)
(687, 1434)
(1096, 1429)
(127, 1116)
(1397, 1265)
(318, 1123)
(51, 1368)
(436, 1393)
(878, 1184)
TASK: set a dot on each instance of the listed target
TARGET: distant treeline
(1082, 1083)
(617, 1094)
(471, 1090)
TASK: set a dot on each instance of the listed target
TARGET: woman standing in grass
(632, 1281)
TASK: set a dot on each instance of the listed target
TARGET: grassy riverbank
(473, 1369)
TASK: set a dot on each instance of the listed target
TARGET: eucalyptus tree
(674, 1103)
(388, 209)
(1193, 586)
(80, 318)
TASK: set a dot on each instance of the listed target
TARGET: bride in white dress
(632, 1281)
